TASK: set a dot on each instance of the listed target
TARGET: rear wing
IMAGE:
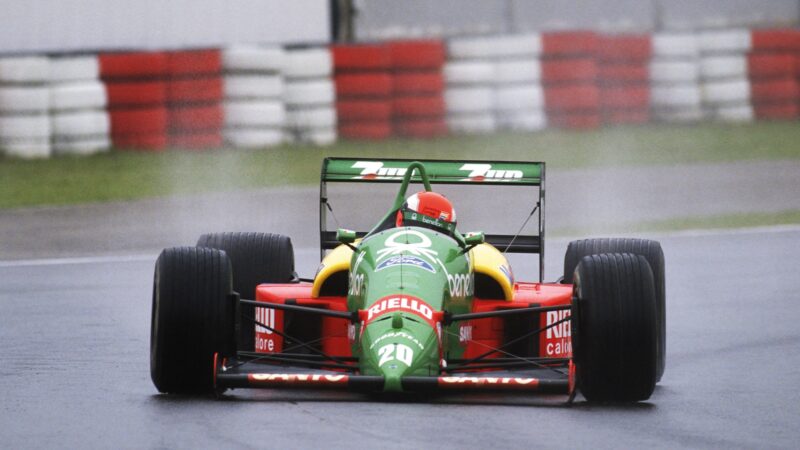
(467, 172)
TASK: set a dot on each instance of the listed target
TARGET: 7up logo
(481, 172)
(374, 170)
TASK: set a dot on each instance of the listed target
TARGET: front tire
(255, 258)
(192, 318)
(614, 334)
(651, 250)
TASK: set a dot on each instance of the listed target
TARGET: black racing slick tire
(613, 329)
(192, 318)
(256, 258)
(651, 250)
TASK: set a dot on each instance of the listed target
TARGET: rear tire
(651, 250)
(192, 318)
(255, 258)
(614, 334)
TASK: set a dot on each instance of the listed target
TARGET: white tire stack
(725, 86)
(78, 101)
(255, 115)
(310, 96)
(494, 82)
(675, 94)
(25, 128)
(469, 96)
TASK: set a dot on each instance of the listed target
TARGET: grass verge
(132, 175)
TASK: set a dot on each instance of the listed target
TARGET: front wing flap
(281, 376)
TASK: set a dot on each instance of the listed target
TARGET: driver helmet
(429, 210)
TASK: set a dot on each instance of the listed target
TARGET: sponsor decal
(408, 260)
(374, 170)
(395, 352)
(355, 283)
(420, 246)
(290, 378)
(464, 333)
(508, 273)
(477, 172)
(359, 258)
(351, 333)
(480, 381)
(403, 303)
(558, 339)
(410, 217)
(397, 334)
(460, 285)
(267, 317)
(482, 172)
(266, 341)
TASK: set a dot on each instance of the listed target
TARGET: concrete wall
(392, 18)
(85, 25)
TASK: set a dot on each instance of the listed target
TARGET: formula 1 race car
(411, 305)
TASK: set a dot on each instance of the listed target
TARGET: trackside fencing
(259, 96)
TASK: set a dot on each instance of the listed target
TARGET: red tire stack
(194, 97)
(773, 85)
(363, 91)
(569, 76)
(624, 78)
(418, 106)
(137, 95)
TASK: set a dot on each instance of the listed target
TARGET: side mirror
(474, 238)
(345, 236)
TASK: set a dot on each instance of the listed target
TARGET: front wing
(544, 381)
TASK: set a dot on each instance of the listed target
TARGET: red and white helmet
(430, 210)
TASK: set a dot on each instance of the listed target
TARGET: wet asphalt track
(74, 370)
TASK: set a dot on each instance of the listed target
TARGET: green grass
(133, 175)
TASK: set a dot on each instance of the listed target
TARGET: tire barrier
(675, 78)
(469, 96)
(137, 98)
(494, 82)
(194, 93)
(25, 126)
(261, 96)
(623, 78)
(569, 77)
(176, 94)
(418, 102)
(78, 102)
(772, 73)
(309, 94)
(254, 87)
(725, 88)
(364, 89)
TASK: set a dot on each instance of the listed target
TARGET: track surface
(75, 369)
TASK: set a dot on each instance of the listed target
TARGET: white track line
(80, 260)
(152, 257)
